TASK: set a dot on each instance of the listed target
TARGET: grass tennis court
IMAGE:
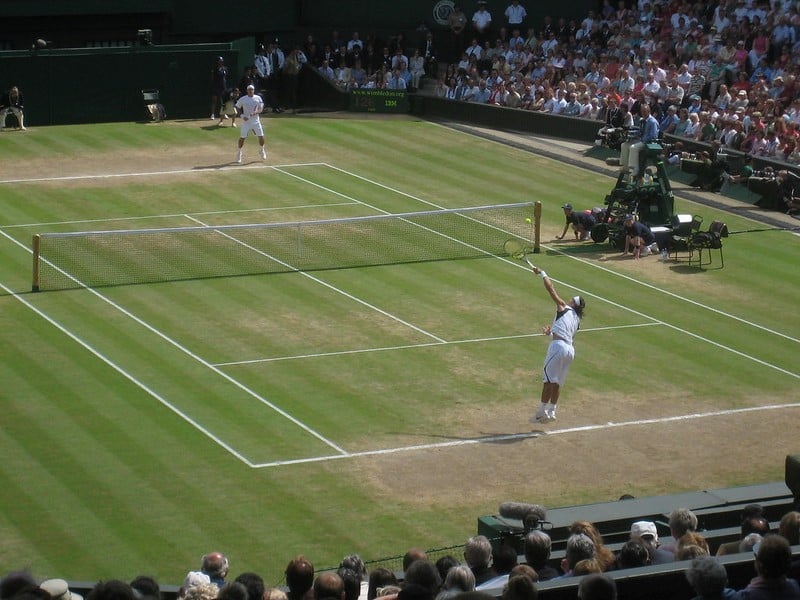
(361, 409)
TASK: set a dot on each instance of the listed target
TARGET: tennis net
(67, 260)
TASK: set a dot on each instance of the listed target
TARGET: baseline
(534, 434)
(153, 173)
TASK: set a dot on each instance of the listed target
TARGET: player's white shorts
(557, 361)
(252, 124)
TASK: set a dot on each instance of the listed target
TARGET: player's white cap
(251, 87)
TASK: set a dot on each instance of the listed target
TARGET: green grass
(145, 425)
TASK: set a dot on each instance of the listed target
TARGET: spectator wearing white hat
(648, 533)
(59, 590)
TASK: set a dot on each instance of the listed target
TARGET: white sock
(542, 409)
(551, 408)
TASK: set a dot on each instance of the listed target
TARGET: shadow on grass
(499, 438)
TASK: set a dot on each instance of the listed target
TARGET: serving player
(560, 352)
(249, 107)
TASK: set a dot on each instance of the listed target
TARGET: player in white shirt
(249, 107)
(560, 352)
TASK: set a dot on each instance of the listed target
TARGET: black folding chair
(708, 241)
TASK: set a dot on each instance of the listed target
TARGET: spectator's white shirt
(481, 19)
(722, 23)
(559, 106)
(548, 45)
(515, 14)
(475, 50)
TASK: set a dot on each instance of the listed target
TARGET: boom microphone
(523, 511)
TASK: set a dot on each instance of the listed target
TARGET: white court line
(176, 215)
(192, 355)
(490, 439)
(498, 338)
(326, 284)
(233, 167)
(127, 375)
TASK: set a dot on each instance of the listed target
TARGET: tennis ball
(528, 220)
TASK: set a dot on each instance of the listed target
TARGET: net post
(537, 225)
(35, 247)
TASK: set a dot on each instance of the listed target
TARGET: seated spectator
(709, 580)
(773, 562)
(789, 527)
(579, 547)
(299, 576)
(537, 548)
(253, 583)
(587, 566)
(59, 590)
(478, 556)
(750, 541)
(648, 533)
(12, 102)
(519, 587)
(691, 538)
(326, 70)
(459, 579)
(504, 558)
(752, 519)
(215, 565)
(690, 552)
(352, 571)
(233, 590)
(597, 586)
(633, 554)
(328, 586)
(423, 574)
(380, 578)
(604, 557)
(193, 579)
(693, 127)
(444, 564)
(682, 124)
(412, 555)
(523, 570)
(114, 589)
(681, 520)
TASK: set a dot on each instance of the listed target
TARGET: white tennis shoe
(239, 157)
(263, 154)
(543, 417)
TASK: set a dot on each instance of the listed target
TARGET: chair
(153, 107)
(682, 235)
(708, 241)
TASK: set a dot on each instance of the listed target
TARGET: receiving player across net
(132, 256)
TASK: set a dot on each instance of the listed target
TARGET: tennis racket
(518, 250)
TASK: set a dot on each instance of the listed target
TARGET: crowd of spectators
(484, 571)
(716, 70)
